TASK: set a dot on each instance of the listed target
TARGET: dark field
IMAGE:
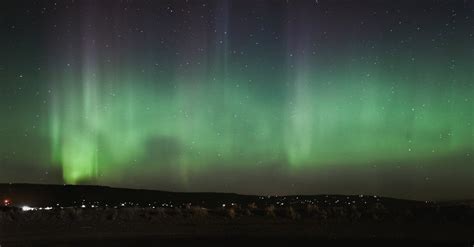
(230, 226)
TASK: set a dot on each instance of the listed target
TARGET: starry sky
(257, 97)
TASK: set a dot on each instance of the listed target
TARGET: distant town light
(26, 208)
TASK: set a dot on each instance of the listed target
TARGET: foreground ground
(218, 231)
(58, 215)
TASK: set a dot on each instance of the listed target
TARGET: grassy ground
(129, 227)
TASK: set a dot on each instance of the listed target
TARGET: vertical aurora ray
(75, 117)
(301, 114)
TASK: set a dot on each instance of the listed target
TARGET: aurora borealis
(271, 97)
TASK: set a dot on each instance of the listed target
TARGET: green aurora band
(110, 119)
(241, 86)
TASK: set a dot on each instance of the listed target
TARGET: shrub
(270, 211)
(160, 212)
(292, 214)
(311, 210)
(177, 212)
(252, 205)
(355, 213)
(231, 213)
(322, 214)
(378, 211)
(198, 212)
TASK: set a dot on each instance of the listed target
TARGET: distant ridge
(42, 195)
(71, 195)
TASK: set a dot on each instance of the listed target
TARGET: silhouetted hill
(40, 195)
(70, 195)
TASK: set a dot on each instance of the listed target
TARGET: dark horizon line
(233, 193)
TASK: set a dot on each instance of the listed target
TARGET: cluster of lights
(28, 208)
(280, 201)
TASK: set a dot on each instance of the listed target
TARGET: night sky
(256, 97)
